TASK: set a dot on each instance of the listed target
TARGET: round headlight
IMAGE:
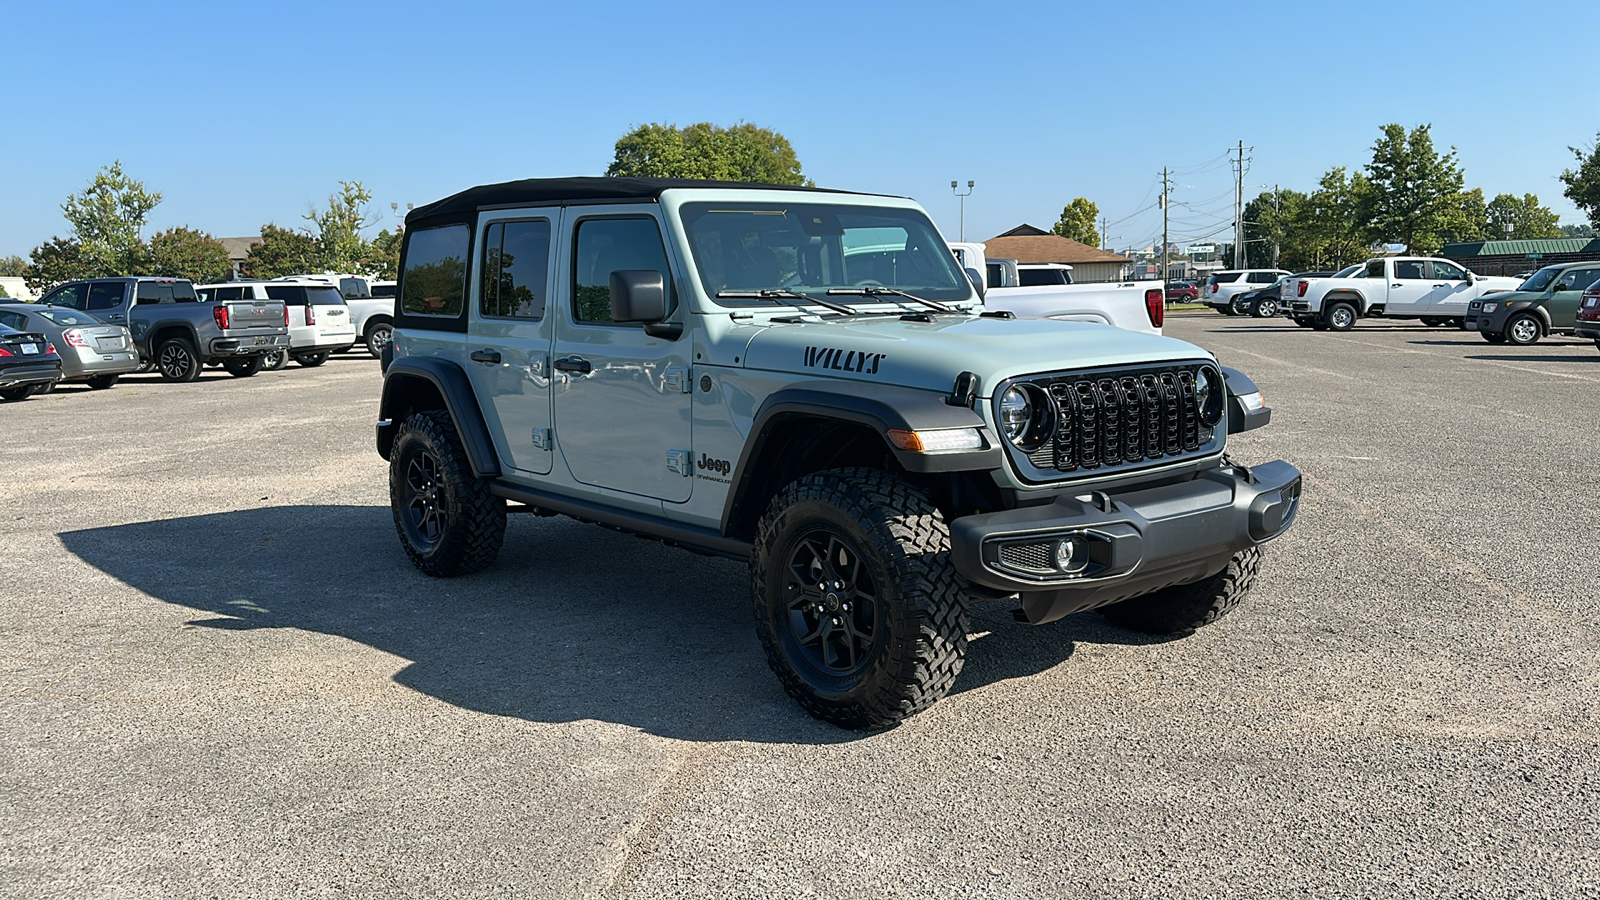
(1208, 396)
(1015, 414)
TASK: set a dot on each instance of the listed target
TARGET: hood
(1511, 296)
(890, 350)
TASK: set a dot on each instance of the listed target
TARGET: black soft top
(464, 206)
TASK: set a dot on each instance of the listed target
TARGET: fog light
(1072, 554)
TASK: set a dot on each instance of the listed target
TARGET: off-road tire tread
(476, 531)
(929, 645)
(1185, 607)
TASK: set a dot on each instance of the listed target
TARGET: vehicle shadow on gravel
(573, 622)
(1530, 357)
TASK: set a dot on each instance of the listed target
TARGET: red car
(1183, 292)
(1588, 319)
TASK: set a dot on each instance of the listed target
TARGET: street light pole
(953, 186)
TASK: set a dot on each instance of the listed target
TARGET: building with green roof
(1511, 257)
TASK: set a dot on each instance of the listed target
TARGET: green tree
(1468, 221)
(383, 255)
(281, 252)
(13, 266)
(107, 218)
(744, 152)
(1521, 219)
(1077, 222)
(337, 229)
(1416, 192)
(186, 253)
(56, 261)
(1578, 231)
(1270, 228)
(1583, 183)
(1325, 230)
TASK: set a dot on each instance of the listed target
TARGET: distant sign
(1534, 256)
(1201, 248)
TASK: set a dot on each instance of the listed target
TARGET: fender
(877, 406)
(452, 384)
(1346, 295)
(187, 327)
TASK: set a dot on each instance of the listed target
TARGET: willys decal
(843, 360)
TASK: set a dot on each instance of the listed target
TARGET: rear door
(509, 335)
(622, 403)
(1409, 287)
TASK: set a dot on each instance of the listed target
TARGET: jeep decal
(843, 360)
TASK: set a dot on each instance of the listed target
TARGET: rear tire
(102, 382)
(1305, 323)
(1266, 308)
(13, 395)
(378, 337)
(448, 522)
(1237, 308)
(1432, 321)
(275, 360)
(1185, 607)
(857, 604)
(1493, 337)
(1524, 330)
(1340, 317)
(312, 360)
(177, 361)
(244, 368)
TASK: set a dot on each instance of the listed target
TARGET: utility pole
(1238, 211)
(1105, 239)
(953, 186)
(1277, 226)
(1166, 190)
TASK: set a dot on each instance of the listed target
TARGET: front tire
(177, 361)
(1340, 317)
(312, 360)
(448, 522)
(102, 382)
(1185, 607)
(857, 604)
(244, 368)
(1524, 330)
(1266, 308)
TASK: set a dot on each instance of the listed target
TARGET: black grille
(1122, 419)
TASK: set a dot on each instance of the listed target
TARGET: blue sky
(246, 113)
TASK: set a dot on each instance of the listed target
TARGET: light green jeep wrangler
(805, 380)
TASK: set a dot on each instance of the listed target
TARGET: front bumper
(37, 373)
(1130, 543)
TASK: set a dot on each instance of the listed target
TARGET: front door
(508, 339)
(1408, 288)
(1569, 288)
(1450, 290)
(622, 403)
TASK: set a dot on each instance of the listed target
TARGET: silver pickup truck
(177, 334)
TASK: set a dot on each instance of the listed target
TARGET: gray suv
(805, 381)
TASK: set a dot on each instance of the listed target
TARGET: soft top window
(433, 281)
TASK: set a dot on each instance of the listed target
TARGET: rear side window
(383, 290)
(516, 269)
(1262, 278)
(103, 296)
(14, 320)
(290, 294)
(153, 292)
(1041, 277)
(225, 294)
(434, 280)
(1225, 277)
(324, 296)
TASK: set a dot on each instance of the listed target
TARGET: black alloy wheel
(422, 518)
(448, 521)
(177, 361)
(832, 604)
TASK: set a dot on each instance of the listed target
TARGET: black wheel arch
(414, 384)
(813, 426)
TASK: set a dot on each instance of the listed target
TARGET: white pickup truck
(1436, 291)
(1132, 305)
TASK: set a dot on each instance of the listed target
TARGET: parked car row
(1546, 303)
(99, 329)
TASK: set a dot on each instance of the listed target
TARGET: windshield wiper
(873, 291)
(779, 294)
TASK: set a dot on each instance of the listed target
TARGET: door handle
(574, 364)
(115, 318)
(1396, 285)
(486, 356)
(1441, 285)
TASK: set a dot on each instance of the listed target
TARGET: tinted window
(516, 266)
(604, 246)
(13, 320)
(223, 294)
(324, 296)
(68, 318)
(997, 274)
(434, 282)
(150, 292)
(1225, 277)
(1374, 269)
(1408, 270)
(354, 287)
(71, 295)
(1041, 277)
(104, 296)
(383, 290)
(1261, 278)
(290, 294)
(1448, 272)
(1579, 278)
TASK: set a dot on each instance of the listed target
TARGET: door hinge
(541, 438)
(676, 380)
(680, 461)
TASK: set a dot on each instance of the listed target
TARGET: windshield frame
(689, 208)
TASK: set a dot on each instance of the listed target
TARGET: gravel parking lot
(222, 678)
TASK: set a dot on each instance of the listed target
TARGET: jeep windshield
(806, 250)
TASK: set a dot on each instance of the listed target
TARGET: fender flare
(453, 385)
(879, 407)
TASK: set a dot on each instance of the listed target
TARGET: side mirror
(1246, 410)
(1564, 286)
(977, 281)
(640, 295)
